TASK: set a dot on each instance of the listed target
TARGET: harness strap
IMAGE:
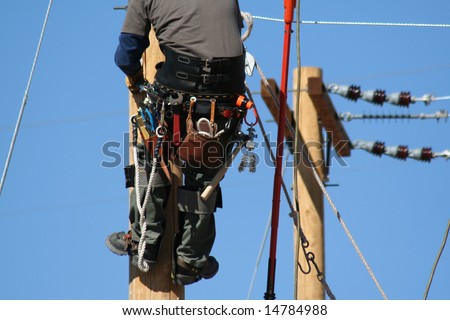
(162, 92)
(204, 78)
(195, 271)
(197, 62)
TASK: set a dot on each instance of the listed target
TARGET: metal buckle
(212, 63)
(206, 79)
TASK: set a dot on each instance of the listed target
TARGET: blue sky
(59, 203)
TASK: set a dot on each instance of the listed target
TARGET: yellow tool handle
(220, 174)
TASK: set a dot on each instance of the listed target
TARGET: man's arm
(129, 52)
(128, 58)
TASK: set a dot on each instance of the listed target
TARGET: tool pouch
(201, 146)
(200, 150)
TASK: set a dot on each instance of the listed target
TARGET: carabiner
(256, 118)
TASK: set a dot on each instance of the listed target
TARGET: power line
(378, 97)
(437, 261)
(400, 152)
(266, 232)
(361, 23)
(25, 98)
(348, 116)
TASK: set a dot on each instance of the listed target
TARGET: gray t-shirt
(200, 28)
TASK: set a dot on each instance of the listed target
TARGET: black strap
(187, 267)
(203, 63)
(204, 78)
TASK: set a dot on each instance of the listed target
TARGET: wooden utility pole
(309, 195)
(156, 284)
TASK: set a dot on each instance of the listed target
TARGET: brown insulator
(354, 92)
(402, 152)
(378, 148)
(379, 97)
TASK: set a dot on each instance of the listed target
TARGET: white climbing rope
(142, 264)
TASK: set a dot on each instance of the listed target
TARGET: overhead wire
(263, 242)
(296, 153)
(260, 253)
(25, 98)
(379, 97)
(362, 23)
(440, 114)
(437, 261)
(401, 152)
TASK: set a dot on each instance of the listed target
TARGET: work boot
(120, 243)
(210, 268)
(186, 274)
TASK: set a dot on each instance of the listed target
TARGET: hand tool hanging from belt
(151, 127)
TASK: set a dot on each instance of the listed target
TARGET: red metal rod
(289, 6)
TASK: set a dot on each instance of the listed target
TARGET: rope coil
(142, 264)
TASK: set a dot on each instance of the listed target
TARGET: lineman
(204, 74)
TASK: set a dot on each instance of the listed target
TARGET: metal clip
(249, 158)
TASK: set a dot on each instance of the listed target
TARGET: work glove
(134, 81)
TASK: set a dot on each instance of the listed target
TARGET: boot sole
(114, 250)
(212, 274)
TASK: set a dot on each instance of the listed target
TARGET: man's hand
(133, 82)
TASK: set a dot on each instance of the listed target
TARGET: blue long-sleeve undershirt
(129, 52)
